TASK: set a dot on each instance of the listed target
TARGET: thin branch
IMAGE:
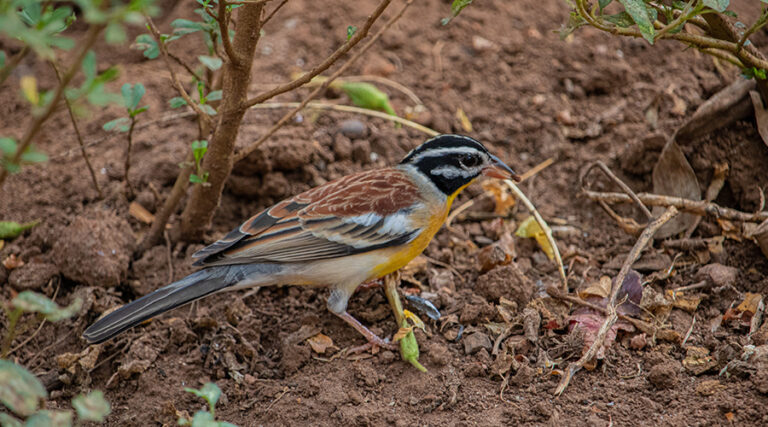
(287, 117)
(203, 117)
(127, 166)
(356, 38)
(78, 135)
(186, 67)
(274, 11)
(607, 171)
(223, 20)
(679, 20)
(698, 207)
(759, 23)
(611, 314)
(34, 128)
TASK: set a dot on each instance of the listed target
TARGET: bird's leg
(373, 339)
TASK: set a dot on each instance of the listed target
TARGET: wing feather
(355, 214)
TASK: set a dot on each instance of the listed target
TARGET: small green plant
(199, 148)
(21, 392)
(210, 392)
(132, 95)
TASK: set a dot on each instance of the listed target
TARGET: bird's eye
(469, 160)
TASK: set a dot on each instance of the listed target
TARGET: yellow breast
(432, 220)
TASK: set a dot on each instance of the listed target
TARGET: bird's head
(452, 162)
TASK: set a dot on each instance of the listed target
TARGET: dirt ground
(529, 96)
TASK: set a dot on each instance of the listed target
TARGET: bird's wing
(355, 214)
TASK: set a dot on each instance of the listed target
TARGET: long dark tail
(184, 291)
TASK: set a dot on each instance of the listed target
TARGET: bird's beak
(497, 169)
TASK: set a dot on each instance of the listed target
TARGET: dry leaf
(709, 387)
(600, 289)
(759, 233)
(698, 360)
(465, 123)
(320, 343)
(417, 322)
(502, 198)
(729, 416)
(401, 333)
(682, 301)
(674, 176)
(730, 230)
(531, 229)
(140, 213)
(12, 262)
(2, 243)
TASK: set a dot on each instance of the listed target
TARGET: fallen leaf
(729, 416)
(747, 314)
(502, 197)
(673, 176)
(682, 301)
(465, 123)
(709, 387)
(401, 333)
(492, 256)
(529, 228)
(698, 360)
(12, 261)
(320, 343)
(140, 213)
(600, 289)
(730, 230)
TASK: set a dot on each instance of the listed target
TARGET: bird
(344, 233)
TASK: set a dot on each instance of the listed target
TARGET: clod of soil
(718, 274)
(507, 281)
(32, 276)
(95, 249)
(474, 342)
(663, 375)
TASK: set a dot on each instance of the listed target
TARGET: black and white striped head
(453, 161)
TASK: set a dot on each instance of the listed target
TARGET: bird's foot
(373, 339)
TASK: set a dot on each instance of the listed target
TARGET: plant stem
(218, 162)
(13, 319)
(37, 123)
(78, 135)
(223, 20)
(128, 157)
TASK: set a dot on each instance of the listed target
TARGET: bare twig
(78, 135)
(189, 70)
(128, 150)
(639, 324)
(547, 231)
(611, 314)
(287, 117)
(698, 207)
(718, 180)
(274, 11)
(698, 285)
(607, 171)
(354, 40)
(37, 123)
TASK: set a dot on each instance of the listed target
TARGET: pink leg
(372, 338)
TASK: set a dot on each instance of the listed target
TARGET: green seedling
(199, 148)
(456, 7)
(8, 148)
(366, 95)
(210, 392)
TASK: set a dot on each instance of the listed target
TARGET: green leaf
(30, 155)
(199, 148)
(32, 302)
(368, 96)
(132, 95)
(146, 43)
(351, 30)
(717, 5)
(138, 111)
(214, 96)
(12, 229)
(204, 419)
(212, 62)
(2, 58)
(620, 19)
(92, 407)
(50, 418)
(637, 9)
(8, 146)
(6, 420)
(456, 7)
(177, 102)
(603, 4)
(115, 33)
(89, 66)
(210, 392)
(208, 109)
(20, 391)
(122, 122)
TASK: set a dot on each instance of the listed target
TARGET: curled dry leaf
(682, 301)
(502, 198)
(530, 228)
(320, 343)
(12, 261)
(674, 176)
(747, 314)
(140, 213)
(401, 333)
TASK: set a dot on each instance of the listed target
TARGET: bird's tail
(184, 291)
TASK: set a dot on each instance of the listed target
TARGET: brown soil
(530, 96)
